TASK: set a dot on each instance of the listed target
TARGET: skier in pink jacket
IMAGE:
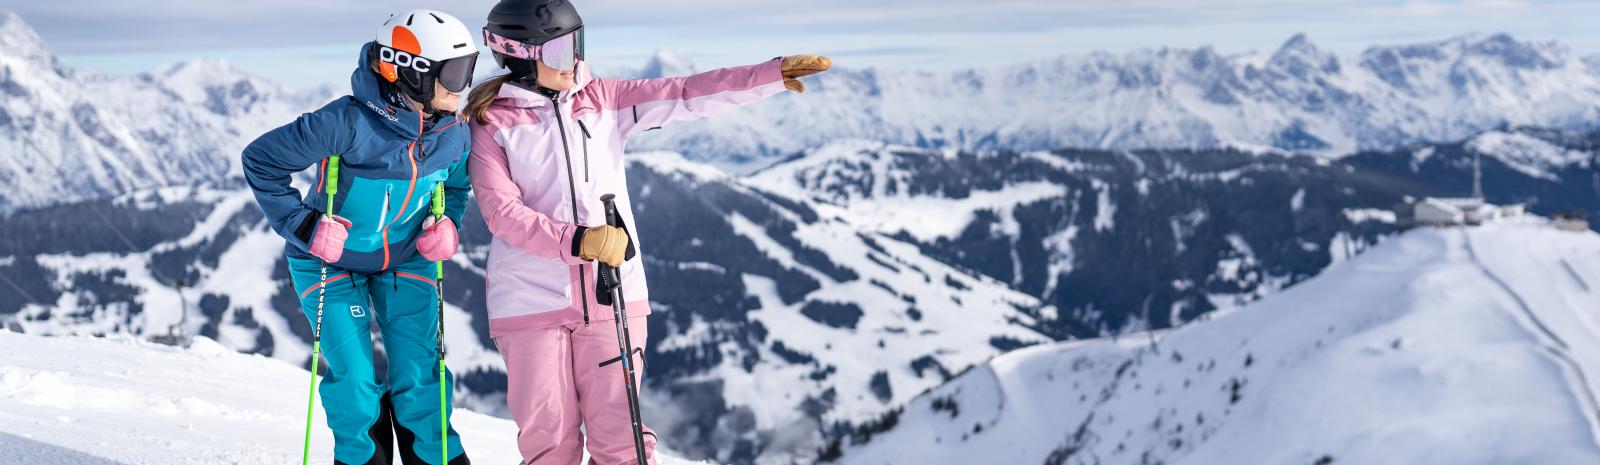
(547, 142)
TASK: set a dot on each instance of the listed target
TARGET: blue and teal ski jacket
(391, 158)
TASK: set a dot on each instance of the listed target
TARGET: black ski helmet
(533, 22)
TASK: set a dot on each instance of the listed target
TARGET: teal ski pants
(404, 303)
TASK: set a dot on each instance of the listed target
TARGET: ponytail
(482, 95)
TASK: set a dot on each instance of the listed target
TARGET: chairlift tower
(1477, 175)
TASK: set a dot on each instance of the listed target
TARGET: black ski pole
(610, 278)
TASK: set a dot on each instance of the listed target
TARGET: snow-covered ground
(80, 400)
(885, 322)
(869, 184)
(1439, 346)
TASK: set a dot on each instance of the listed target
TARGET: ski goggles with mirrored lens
(455, 74)
(561, 53)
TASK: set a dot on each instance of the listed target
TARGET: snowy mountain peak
(1299, 44)
(212, 82)
(19, 40)
(1298, 40)
(1520, 54)
(1493, 50)
(199, 67)
(666, 63)
(109, 126)
(1299, 57)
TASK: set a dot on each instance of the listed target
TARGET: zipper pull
(584, 128)
(383, 213)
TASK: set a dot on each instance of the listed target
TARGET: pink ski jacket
(539, 167)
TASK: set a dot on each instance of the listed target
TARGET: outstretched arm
(645, 104)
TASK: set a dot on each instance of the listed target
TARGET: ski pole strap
(331, 177)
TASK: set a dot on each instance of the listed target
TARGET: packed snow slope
(1438, 346)
(80, 400)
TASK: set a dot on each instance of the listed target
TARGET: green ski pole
(330, 177)
(444, 411)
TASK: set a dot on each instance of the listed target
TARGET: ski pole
(610, 278)
(444, 412)
(330, 177)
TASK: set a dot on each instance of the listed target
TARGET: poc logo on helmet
(404, 59)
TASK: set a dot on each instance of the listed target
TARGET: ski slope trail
(88, 401)
(1456, 346)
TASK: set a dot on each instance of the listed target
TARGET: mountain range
(824, 260)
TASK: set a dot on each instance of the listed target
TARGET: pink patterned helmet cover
(510, 47)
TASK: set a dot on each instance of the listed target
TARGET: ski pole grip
(438, 200)
(610, 202)
(331, 178)
(609, 277)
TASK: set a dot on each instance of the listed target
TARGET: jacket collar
(517, 96)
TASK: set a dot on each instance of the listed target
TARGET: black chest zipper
(586, 137)
(583, 281)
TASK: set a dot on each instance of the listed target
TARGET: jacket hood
(385, 101)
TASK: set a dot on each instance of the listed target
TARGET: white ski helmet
(415, 48)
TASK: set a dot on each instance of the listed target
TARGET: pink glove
(438, 242)
(327, 243)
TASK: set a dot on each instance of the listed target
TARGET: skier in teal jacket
(394, 141)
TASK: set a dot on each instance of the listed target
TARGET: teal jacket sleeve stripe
(273, 158)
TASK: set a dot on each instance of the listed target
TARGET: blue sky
(309, 42)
